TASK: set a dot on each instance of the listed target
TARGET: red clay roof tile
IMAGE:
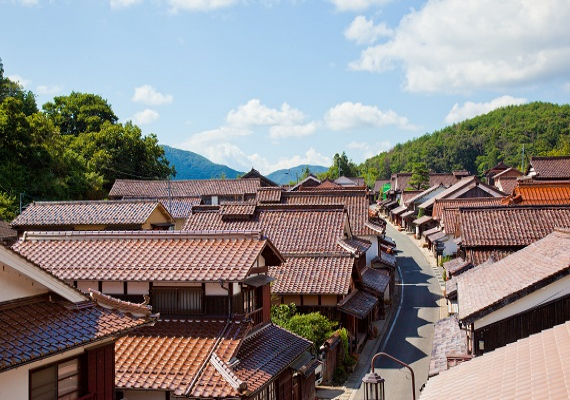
(144, 255)
(550, 167)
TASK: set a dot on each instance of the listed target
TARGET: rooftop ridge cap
(100, 235)
(324, 254)
(112, 303)
(225, 370)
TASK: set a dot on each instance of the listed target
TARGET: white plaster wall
(182, 284)
(373, 250)
(237, 288)
(450, 246)
(137, 287)
(551, 292)
(14, 384)
(143, 395)
(261, 261)
(14, 285)
(113, 288)
(214, 289)
(84, 286)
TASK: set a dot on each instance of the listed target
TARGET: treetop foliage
(72, 150)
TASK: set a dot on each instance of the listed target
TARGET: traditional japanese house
(539, 193)
(502, 230)
(492, 172)
(58, 343)
(549, 168)
(210, 191)
(506, 180)
(214, 338)
(93, 215)
(517, 296)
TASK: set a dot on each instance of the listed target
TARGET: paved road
(410, 339)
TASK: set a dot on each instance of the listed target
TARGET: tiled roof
(479, 256)
(374, 280)
(69, 213)
(436, 236)
(356, 202)
(451, 284)
(180, 207)
(422, 220)
(430, 231)
(510, 172)
(506, 184)
(448, 339)
(540, 194)
(522, 272)
(241, 210)
(355, 244)
(407, 195)
(462, 186)
(264, 355)
(293, 229)
(317, 274)
(385, 258)
(184, 188)
(550, 167)
(510, 226)
(170, 354)
(358, 304)
(401, 181)
(37, 327)
(454, 204)
(532, 368)
(423, 194)
(398, 210)
(145, 255)
(451, 287)
(456, 266)
(269, 195)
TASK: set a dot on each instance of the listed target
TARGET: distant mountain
(190, 165)
(284, 176)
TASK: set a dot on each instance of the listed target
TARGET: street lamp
(374, 383)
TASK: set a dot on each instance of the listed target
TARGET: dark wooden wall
(101, 372)
(522, 325)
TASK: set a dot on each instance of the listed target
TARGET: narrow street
(410, 337)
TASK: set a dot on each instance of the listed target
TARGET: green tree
(79, 113)
(420, 176)
(341, 166)
(314, 326)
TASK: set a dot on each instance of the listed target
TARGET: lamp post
(374, 383)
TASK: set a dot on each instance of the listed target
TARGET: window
(60, 381)
(181, 301)
(249, 300)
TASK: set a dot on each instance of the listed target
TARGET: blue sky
(272, 84)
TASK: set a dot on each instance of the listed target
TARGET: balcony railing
(256, 316)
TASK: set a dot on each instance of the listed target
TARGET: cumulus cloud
(347, 116)
(146, 94)
(253, 113)
(204, 139)
(145, 117)
(469, 109)
(199, 5)
(289, 131)
(363, 31)
(116, 4)
(20, 80)
(357, 5)
(48, 89)
(456, 46)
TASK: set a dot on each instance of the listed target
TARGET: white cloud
(289, 131)
(347, 116)
(253, 113)
(199, 5)
(470, 109)
(145, 117)
(357, 5)
(458, 46)
(116, 4)
(204, 139)
(363, 31)
(146, 94)
(20, 80)
(48, 89)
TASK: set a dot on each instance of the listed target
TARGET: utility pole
(522, 163)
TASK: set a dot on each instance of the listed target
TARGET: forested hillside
(479, 143)
(190, 165)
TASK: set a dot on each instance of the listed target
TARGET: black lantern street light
(374, 383)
